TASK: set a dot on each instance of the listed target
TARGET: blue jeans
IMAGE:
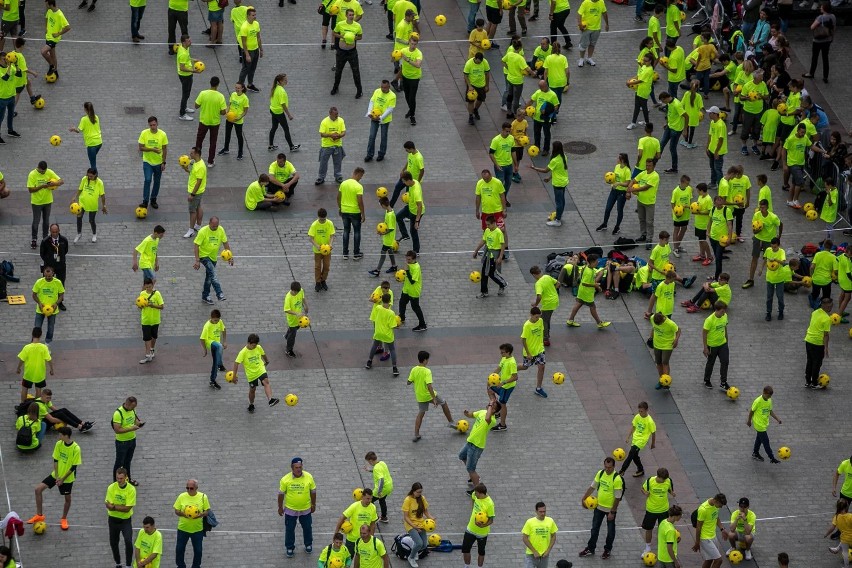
(404, 214)
(155, 172)
(290, 530)
(671, 137)
(598, 517)
(673, 85)
(371, 141)
(504, 174)
(419, 538)
(778, 291)
(352, 222)
(703, 77)
(716, 166)
(210, 278)
(615, 196)
(639, 5)
(136, 20)
(51, 322)
(762, 438)
(7, 108)
(559, 198)
(558, 91)
(748, 29)
(216, 354)
(471, 16)
(397, 190)
(42, 432)
(92, 153)
(180, 548)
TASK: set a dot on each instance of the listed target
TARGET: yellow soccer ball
(280, 195)
(668, 266)
(325, 250)
(558, 378)
(723, 115)
(475, 276)
(191, 511)
(677, 210)
(11, 57)
(738, 89)
(663, 60)
(733, 393)
(590, 502)
(141, 212)
(806, 281)
(724, 241)
(533, 151)
(700, 116)
(619, 454)
(304, 322)
(609, 177)
(381, 192)
(434, 538)
(51, 77)
(706, 305)
(471, 95)
(55, 140)
(405, 197)
(485, 43)
(739, 200)
(773, 265)
(399, 275)
(231, 116)
(40, 527)
(835, 319)
(175, 47)
(649, 559)
(808, 207)
(346, 527)
(395, 246)
(349, 38)
(198, 67)
(694, 207)
(507, 4)
(357, 493)
(334, 10)
(481, 517)
(375, 297)
(335, 562)
(440, 19)
(784, 453)
(415, 36)
(230, 377)
(291, 399)
(39, 103)
(396, 55)
(184, 160)
(227, 255)
(530, 110)
(666, 380)
(753, 96)
(75, 208)
(677, 534)
(781, 108)
(682, 16)
(757, 225)
(552, 216)
(523, 140)
(823, 380)
(381, 228)
(811, 215)
(493, 380)
(539, 63)
(428, 525)
(656, 77)
(735, 557)
(462, 426)
(141, 302)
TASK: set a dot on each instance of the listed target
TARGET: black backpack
(21, 409)
(402, 549)
(624, 243)
(25, 435)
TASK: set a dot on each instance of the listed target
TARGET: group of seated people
(273, 189)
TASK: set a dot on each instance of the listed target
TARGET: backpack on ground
(402, 544)
(617, 256)
(24, 438)
(21, 409)
(624, 243)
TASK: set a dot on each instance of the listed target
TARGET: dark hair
(90, 112)
(36, 332)
(358, 170)
(406, 176)
(409, 145)
(643, 405)
(720, 497)
(215, 314)
(675, 511)
(535, 311)
(147, 281)
(489, 220)
(295, 287)
(421, 506)
(384, 201)
(535, 269)
(322, 213)
(609, 461)
(275, 82)
(152, 118)
(371, 456)
(121, 470)
(65, 431)
(386, 298)
(214, 81)
(558, 150)
(539, 505)
(480, 488)
(263, 178)
(149, 520)
(783, 558)
(253, 338)
(507, 347)
(422, 356)
(159, 229)
(663, 472)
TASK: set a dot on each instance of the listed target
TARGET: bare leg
(38, 497)
(67, 507)
(251, 395)
(539, 377)
(417, 422)
(267, 389)
(447, 413)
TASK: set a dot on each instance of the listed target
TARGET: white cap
(713, 110)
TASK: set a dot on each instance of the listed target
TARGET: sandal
(134, 483)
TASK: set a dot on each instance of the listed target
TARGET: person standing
(137, 10)
(546, 105)
(656, 490)
(494, 245)
(238, 104)
(770, 228)
(154, 146)
(279, 108)
(483, 422)
(705, 531)
(56, 26)
(150, 317)
(559, 12)
(90, 128)
(125, 423)
(380, 113)
(252, 45)
(11, 14)
(119, 501)
(207, 243)
(676, 124)
(148, 261)
(185, 70)
(40, 183)
(645, 186)
(490, 201)
(667, 538)
(412, 288)
(410, 72)
(348, 32)
(413, 211)
(546, 298)
(361, 512)
(178, 13)
(642, 428)
(53, 250)
(610, 489)
(370, 552)
(414, 164)
(190, 525)
(501, 155)
(350, 204)
(539, 533)
(589, 22)
(332, 129)
(816, 342)
(477, 77)
(823, 28)
(212, 107)
(321, 232)
(556, 72)
(515, 67)
(67, 457)
(477, 530)
(214, 338)
(532, 340)
(148, 548)
(824, 270)
(382, 483)
(47, 291)
(715, 337)
(297, 500)
(196, 185)
(34, 358)
(91, 191)
(9, 78)
(717, 145)
(295, 306)
(421, 377)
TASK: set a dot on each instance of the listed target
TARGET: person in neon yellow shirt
(384, 322)
(484, 421)
(715, 337)
(257, 198)
(41, 182)
(358, 514)
(145, 254)
(410, 73)
(532, 339)
(67, 457)
(477, 530)
(238, 103)
(717, 145)
(137, 10)
(844, 281)
(645, 185)
(11, 15)
(297, 501)
(178, 13)
(153, 145)
(589, 22)
(667, 538)
(196, 184)
(283, 175)
(254, 359)
(350, 204)
(494, 244)
(412, 289)
(185, 70)
(252, 48)
(207, 243)
(388, 240)
(610, 490)
(47, 291)
(656, 490)
(295, 306)
(507, 369)
(383, 101)
(211, 108)
(91, 190)
(546, 297)
(642, 429)
(30, 423)
(539, 533)
(34, 359)
(665, 335)
(90, 128)
(370, 552)
(816, 341)
(334, 551)
(382, 483)
(148, 548)
(589, 283)
(214, 337)
(119, 501)
(347, 33)
(321, 232)
(151, 317)
(643, 82)
(705, 530)
(477, 76)
(425, 394)
(332, 129)
(56, 26)
(742, 529)
(190, 528)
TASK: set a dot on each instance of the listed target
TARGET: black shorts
(625, 283)
(64, 489)
(149, 332)
(700, 234)
(9, 28)
(783, 131)
(388, 248)
(681, 223)
(652, 519)
(661, 357)
(253, 384)
(29, 384)
(480, 93)
(19, 89)
(469, 539)
(493, 15)
(326, 18)
(723, 82)
(50, 44)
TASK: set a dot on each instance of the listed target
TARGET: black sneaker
(358, 256)
(324, 285)
(222, 368)
(773, 460)
(403, 238)
(215, 385)
(412, 120)
(642, 238)
(419, 328)
(144, 205)
(154, 204)
(724, 386)
(708, 385)
(757, 457)
(13, 134)
(500, 428)
(295, 147)
(250, 408)
(369, 365)
(223, 152)
(670, 170)
(253, 89)
(470, 120)
(395, 372)
(476, 114)
(586, 552)
(600, 228)
(616, 230)
(391, 270)
(273, 401)
(290, 354)
(317, 287)
(374, 273)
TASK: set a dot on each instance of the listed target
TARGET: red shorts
(498, 218)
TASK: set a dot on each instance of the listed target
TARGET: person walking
(238, 106)
(412, 288)
(382, 483)
(154, 146)
(380, 113)
(279, 108)
(41, 182)
(425, 394)
(816, 342)
(207, 243)
(56, 28)
(411, 69)
(348, 32)
(146, 251)
(214, 339)
(53, 251)
(297, 500)
(252, 45)
(91, 191)
(350, 204)
(211, 108)
(559, 12)
(539, 533)
(119, 501)
(185, 70)
(178, 14)
(414, 164)
(191, 507)
(125, 423)
(823, 28)
(500, 153)
(47, 291)
(90, 127)
(67, 458)
(332, 129)
(150, 317)
(642, 428)
(758, 417)
(714, 335)
(494, 244)
(610, 490)
(196, 185)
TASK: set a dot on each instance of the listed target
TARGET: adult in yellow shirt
(714, 335)
(411, 69)
(190, 527)
(125, 424)
(196, 184)
(477, 530)
(67, 457)
(150, 315)
(321, 232)
(295, 306)
(40, 183)
(146, 253)
(347, 33)
(214, 337)
(610, 489)
(401, 34)
(705, 530)
(178, 13)
(91, 191)
(350, 205)
(358, 514)
(207, 244)
(9, 78)
(283, 175)
(56, 26)
(297, 501)
(185, 70)
(413, 211)
(154, 147)
(90, 128)
(34, 359)
(380, 113)
(414, 163)
(257, 198)
(589, 17)
(47, 291)
(332, 129)
(717, 145)
(148, 548)
(645, 185)
(211, 108)
(137, 10)
(415, 510)
(252, 48)
(816, 342)
(119, 502)
(238, 103)
(539, 532)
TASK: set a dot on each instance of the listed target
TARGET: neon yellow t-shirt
(238, 104)
(117, 495)
(359, 515)
(125, 419)
(414, 273)
(148, 544)
(48, 292)
(533, 333)
(370, 553)
(212, 103)
(35, 357)
(255, 193)
(770, 226)
(43, 196)
(515, 65)
(250, 31)
(539, 532)
(209, 241)
(91, 132)
(414, 164)
(719, 219)
(183, 59)
(55, 22)
(153, 140)
(751, 518)
(592, 12)
(708, 514)
(644, 428)
(485, 505)
(508, 368)
(297, 491)
(681, 196)
(421, 378)
(147, 250)
(185, 499)
(321, 231)
(476, 72)
(295, 303)
(67, 456)
(415, 196)
(546, 288)
(819, 325)
(212, 332)
(150, 315)
(845, 469)
(501, 147)
(328, 555)
(197, 171)
(381, 472)
(494, 240)
(490, 193)
(607, 485)
(664, 333)
(252, 360)
(410, 71)
(649, 196)
(479, 431)
(824, 264)
(660, 257)
(383, 101)
(666, 533)
(556, 66)
(328, 126)
(90, 192)
(388, 238)
(658, 495)
(349, 190)
(716, 326)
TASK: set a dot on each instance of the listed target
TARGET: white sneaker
(185, 117)
(554, 223)
(676, 253)
(210, 164)
(591, 61)
(504, 108)
(641, 123)
(190, 110)
(748, 555)
(631, 126)
(78, 237)
(147, 359)
(189, 233)
(94, 238)
(196, 228)
(580, 62)
(729, 551)
(412, 562)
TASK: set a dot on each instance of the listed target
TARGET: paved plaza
(553, 446)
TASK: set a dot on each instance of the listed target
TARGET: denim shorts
(217, 16)
(470, 455)
(503, 393)
(195, 203)
(148, 273)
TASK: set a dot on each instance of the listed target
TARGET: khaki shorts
(710, 549)
(424, 406)
(195, 203)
